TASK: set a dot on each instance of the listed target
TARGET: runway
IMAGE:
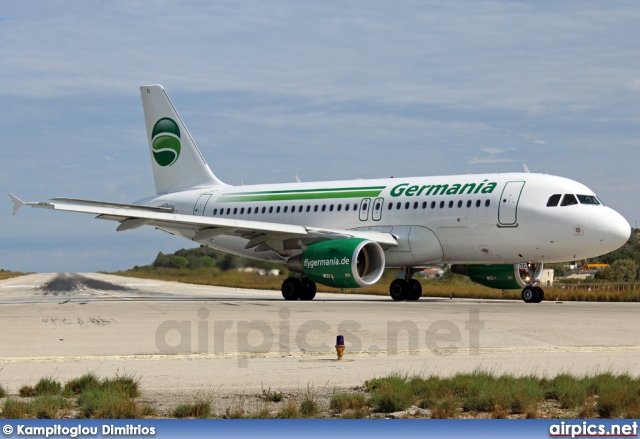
(182, 339)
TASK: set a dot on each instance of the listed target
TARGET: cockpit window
(568, 200)
(588, 199)
(554, 200)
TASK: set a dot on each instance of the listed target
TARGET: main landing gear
(294, 288)
(407, 288)
(531, 293)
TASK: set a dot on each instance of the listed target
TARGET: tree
(179, 262)
(624, 270)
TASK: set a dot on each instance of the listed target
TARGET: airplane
(497, 229)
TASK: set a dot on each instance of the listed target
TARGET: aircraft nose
(613, 230)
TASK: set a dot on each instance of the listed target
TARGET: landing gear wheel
(530, 294)
(399, 289)
(291, 288)
(308, 289)
(415, 290)
(540, 292)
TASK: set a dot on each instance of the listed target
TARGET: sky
(325, 90)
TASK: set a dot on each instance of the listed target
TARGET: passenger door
(508, 208)
(364, 209)
(201, 204)
(378, 205)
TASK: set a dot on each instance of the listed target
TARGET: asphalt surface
(181, 339)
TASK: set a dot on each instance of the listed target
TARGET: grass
(604, 395)
(309, 407)
(9, 274)
(200, 409)
(341, 402)
(478, 394)
(270, 396)
(289, 410)
(457, 287)
(390, 394)
(49, 407)
(78, 385)
(3, 392)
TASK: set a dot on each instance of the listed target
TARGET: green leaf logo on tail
(165, 141)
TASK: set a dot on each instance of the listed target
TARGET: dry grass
(444, 288)
(9, 274)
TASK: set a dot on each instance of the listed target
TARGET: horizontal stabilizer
(17, 203)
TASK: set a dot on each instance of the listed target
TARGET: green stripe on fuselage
(303, 194)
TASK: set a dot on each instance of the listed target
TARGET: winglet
(526, 169)
(17, 203)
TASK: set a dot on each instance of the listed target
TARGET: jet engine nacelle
(499, 276)
(342, 263)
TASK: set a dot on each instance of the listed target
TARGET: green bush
(79, 385)
(341, 402)
(200, 409)
(107, 403)
(48, 386)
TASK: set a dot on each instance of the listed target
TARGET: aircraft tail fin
(177, 163)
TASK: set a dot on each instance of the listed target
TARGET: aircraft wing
(261, 235)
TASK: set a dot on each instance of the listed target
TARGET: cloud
(326, 90)
(478, 160)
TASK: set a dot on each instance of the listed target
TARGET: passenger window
(365, 206)
(568, 200)
(228, 211)
(399, 205)
(346, 206)
(264, 209)
(278, 209)
(235, 210)
(588, 199)
(215, 211)
(377, 206)
(415, 205)
(554, 200)
(324, 207)
(271, 209)
(242, 211)
(468, 203)
(450, 204)
(249, 210)
(331, 208)
(340, 207)
(308, 208)
(424, 204)
(477, 203)
(441, 204)
(459, 204)
(390, 206)
(487, 203)
(406, 205)
(355, 207)
(285, 209)
(315, 208)
(433, 204)
(300, 208)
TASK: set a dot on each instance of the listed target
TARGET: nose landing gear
(532, 293)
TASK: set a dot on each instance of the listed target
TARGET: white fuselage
(465, 219)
